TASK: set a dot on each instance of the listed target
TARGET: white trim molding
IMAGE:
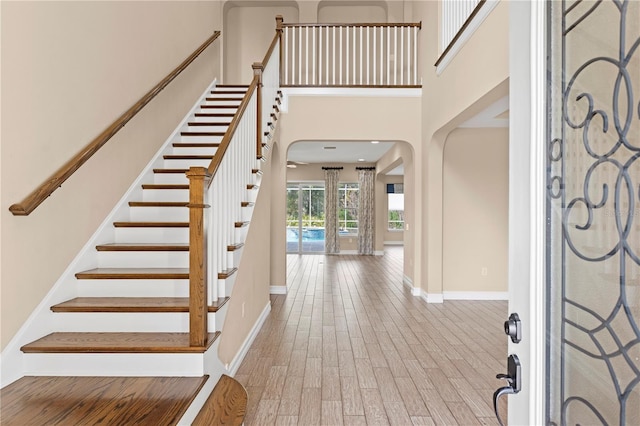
(475, 295)
(432, 297)
(347, 91)
(394, 243)
(407, 282)
(233, 366)
(278, 289)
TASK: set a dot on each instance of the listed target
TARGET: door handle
(514, 382)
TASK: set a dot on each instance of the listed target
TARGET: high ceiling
(342, 151)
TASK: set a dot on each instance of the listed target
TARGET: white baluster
(306, 48)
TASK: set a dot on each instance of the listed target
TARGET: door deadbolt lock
(513, 328)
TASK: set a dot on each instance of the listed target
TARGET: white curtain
(366, 211)
(331, 239)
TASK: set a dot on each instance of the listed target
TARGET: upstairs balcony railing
(350, 55)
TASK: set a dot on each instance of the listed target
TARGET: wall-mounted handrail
(44, 190)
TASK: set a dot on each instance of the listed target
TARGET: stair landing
(158, 401)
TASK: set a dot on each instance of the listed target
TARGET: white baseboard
(407, 282)
(394, 243)
(232, 367)
(278, 289)
(432, 297)
(348, 252)
(475, 295)
(378, 253)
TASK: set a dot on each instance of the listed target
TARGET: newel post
(198, 304)
(279, 30)
(258, 68)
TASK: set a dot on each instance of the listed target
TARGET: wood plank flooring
(157, 401)
(350, 345)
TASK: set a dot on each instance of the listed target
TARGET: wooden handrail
(226, 139)
(460, 31)
(35, 198)
(360, 24)
(276, 37)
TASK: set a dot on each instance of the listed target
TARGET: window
(395, 199)
(348, 208)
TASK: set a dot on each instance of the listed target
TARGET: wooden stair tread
(247, 204)
(224, 98)
(219, 106)
(158, 203)
(244, 86)
(131, 304)
(142, 247)
(151, 224)
(68, 342)
(226, 405)
(202, 133)
(187, 157)
(207, 123)
(170, 170)
(228, 92)
(164, 186)
(241, 224)
(214, 114)
(234, 247)
(134, 274)
(195, 145)
(227, 273)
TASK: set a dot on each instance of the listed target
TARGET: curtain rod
(365, 168)
(332, 168)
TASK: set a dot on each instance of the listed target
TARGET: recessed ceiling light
(361, 159)
(329, 147)
(375, 141)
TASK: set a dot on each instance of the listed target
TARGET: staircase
(131, 313)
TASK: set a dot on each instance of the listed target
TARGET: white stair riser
(185, 164)
(177, 178)
(224, 102)
(152, 235)
(138, 259)
(133, 288)
(200, 139)
(206, 128)
(218, 110)
(128, 322)
(194, 151)
(114, 364)
(246, 213)
(159, 214)
(212, 119)
(165, 195)
(226, 286)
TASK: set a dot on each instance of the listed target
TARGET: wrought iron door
(593, 252)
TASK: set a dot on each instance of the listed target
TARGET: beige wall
(475, 226)
(474, 79)
(248, 31)
(68, 70)
(336, 12)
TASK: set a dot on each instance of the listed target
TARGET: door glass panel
(305, 218)
(593, 251)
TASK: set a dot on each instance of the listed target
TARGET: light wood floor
(350, 345)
